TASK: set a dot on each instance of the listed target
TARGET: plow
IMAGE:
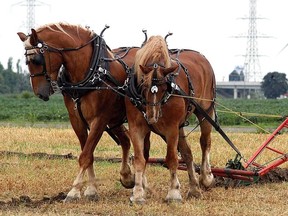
(247, 171)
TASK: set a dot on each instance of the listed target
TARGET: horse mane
(154, 51)
(61, 26)
(66, 28)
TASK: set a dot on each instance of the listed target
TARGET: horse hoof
(173, 196)
(139, 201)
(173, 200)
(208, 185)
(70, 199)
(208, 182)
(128, 182)
(92, 198)
(195, 193)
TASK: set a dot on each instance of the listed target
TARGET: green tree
(11, 81)
(274, 84)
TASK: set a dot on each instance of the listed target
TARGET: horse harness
(99, 72)
(133, 91)
(97, 75)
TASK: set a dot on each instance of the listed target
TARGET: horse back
(127, 54)
(200, 72)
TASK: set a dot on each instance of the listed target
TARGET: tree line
(12, 81)
(273, 84)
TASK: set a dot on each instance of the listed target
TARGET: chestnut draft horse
(162, 93)
(89, 65)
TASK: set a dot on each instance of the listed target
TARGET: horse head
(45, 55)
(35, 59)
(154, 91)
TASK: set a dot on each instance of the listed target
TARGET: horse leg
(86, 160)
(206, 177)
(126, 176)
(81, 132)
(138, 195)
(172, 163)
(186, 154)
(146, 156)
(91, 191)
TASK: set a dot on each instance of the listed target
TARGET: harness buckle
(175, 86)
(96, 76)
(124, 87)
(75, 101)
(102, 70)
(136, 103)
(43, 48)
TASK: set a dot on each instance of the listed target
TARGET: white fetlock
(207, 181)
(138, 196)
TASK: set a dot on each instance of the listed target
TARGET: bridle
(38, 59)
(43, 47)
(156, 82)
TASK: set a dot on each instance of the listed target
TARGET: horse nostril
(44, 98)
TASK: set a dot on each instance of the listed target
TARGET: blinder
(38, 59)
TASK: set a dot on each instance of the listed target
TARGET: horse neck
(77, 63)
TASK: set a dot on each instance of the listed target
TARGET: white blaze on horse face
(29, 53)
(153, 110)
(31, 84)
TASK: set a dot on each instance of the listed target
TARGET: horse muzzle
(44, 91)
(42, 97)
(152, 118)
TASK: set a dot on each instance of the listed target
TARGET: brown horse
(163, 81)
(89, 66)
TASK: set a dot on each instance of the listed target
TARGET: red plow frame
(250, 168)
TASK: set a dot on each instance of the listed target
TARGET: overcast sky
(208, 26)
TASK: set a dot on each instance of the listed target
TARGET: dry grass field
(34, 185)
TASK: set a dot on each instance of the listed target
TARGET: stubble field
(35, 176)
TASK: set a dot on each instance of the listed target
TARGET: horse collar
(97, 71)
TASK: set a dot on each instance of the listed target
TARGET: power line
(252, 68)
(30, 11)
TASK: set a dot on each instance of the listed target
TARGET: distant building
(237, 74)
(236, 87)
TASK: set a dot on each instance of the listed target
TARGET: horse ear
(33, 37)
(169, 70)
(22, 36)
(145, 69)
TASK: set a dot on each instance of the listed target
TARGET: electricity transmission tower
(252, 69)
(30, 15)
